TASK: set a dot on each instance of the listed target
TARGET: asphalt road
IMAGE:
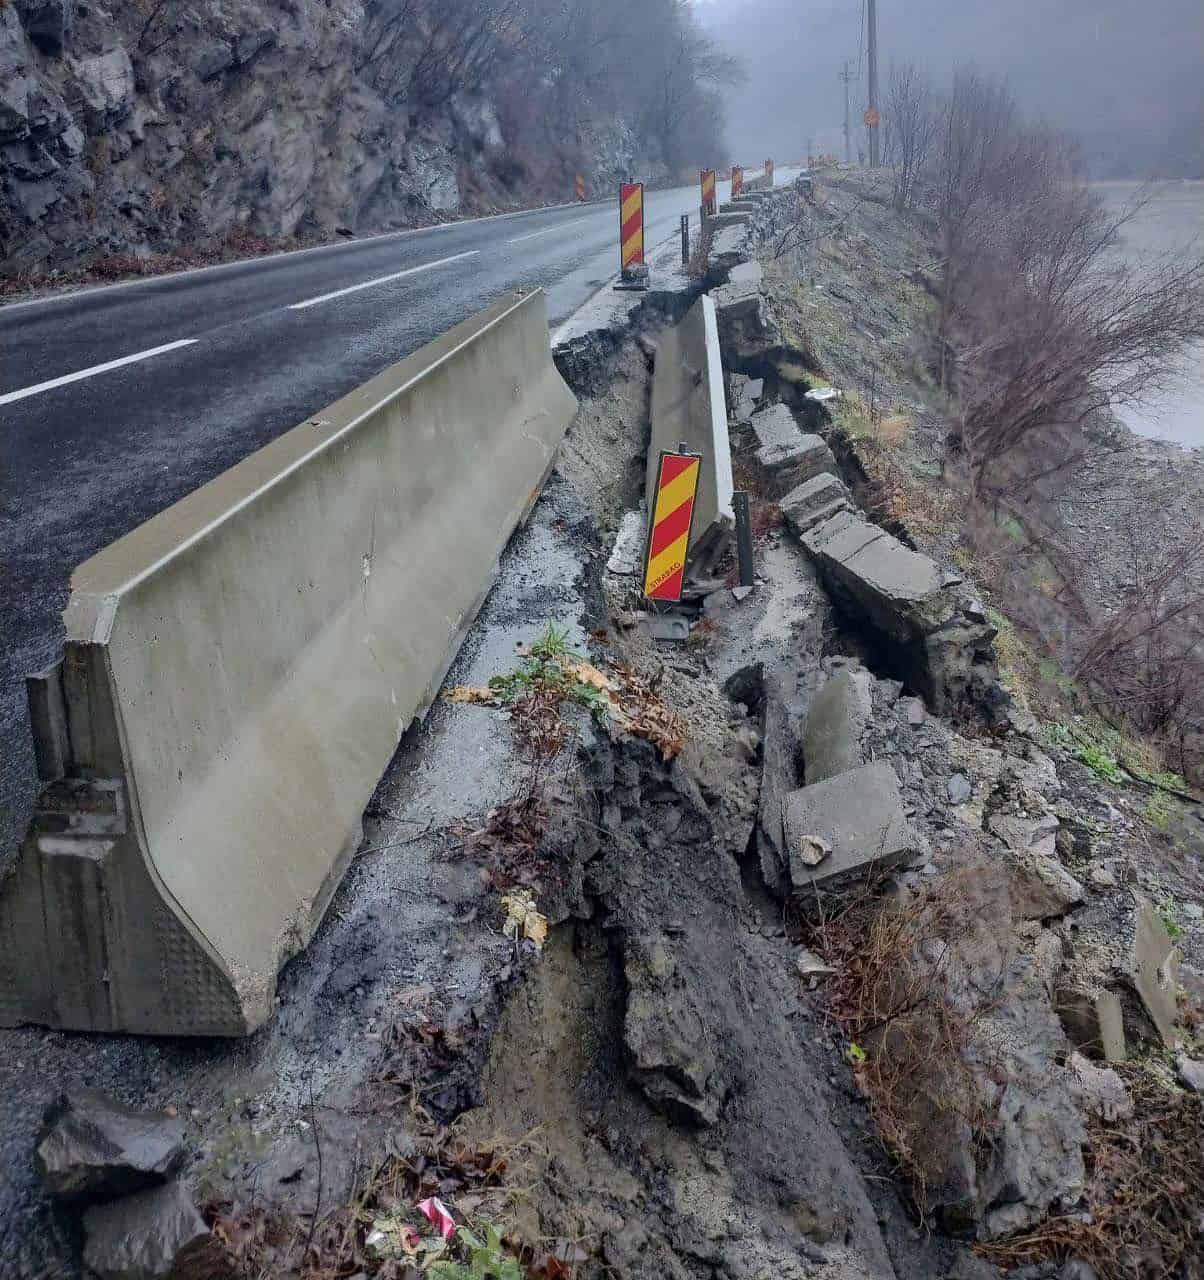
(223, 360)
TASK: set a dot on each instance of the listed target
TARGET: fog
(1124, 76)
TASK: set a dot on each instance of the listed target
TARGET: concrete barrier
(689, 406)
(238, 673)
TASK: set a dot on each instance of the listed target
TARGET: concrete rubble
(859, 815)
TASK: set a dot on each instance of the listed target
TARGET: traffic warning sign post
(737, 181)
(669, 528)
(706, 181)
(633, 270)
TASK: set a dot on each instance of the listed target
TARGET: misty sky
(1126, 75)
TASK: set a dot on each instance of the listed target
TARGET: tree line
(558, 67)
(1043, 329)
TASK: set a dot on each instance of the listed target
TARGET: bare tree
(912, 125)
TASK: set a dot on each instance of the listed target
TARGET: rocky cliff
(156, 124)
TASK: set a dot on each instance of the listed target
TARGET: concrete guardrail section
(238, 673)
(689, 407)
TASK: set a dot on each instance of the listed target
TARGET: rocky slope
(152, 125)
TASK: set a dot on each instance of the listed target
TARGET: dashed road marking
(370, 284)
(37, 389)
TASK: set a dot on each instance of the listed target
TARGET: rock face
(94, 1148)
(154, 1235)
(133, 128)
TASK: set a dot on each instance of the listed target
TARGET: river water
(1172, 222)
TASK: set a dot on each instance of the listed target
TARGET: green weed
(487, 1259)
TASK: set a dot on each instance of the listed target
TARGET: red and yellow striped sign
(737, 181)
(769, 171)
(707, 182)
(579, 186)
(631, 224)
(669, 537)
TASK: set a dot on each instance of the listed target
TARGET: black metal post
(744, 542)
(685, 239)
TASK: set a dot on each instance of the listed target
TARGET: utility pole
(872, 117)
(847, 76)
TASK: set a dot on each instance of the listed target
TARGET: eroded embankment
(815, 938)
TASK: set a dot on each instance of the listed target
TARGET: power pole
(847, 76)
(874, 118)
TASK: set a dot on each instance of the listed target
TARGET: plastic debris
(437, 1212)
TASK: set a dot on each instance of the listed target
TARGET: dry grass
(907, 1039)
(1145, 1193)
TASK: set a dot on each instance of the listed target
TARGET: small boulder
(958, 789)
(94, 1148)
(153, 1235)
(1100, 1090)
(1191, 1072)
(1042, 888)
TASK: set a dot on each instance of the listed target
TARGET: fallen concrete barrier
(689, 407)
(238, 673)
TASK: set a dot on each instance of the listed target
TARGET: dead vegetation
(894, 962)
(1144, 1217)
(382, 1233)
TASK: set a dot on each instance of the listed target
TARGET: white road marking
(560, 226)
(369, 284)
(38, 388)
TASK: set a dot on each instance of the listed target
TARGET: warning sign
(737, 181)
(631, 224)
(707, 183)
(669, 536)
(872, 118)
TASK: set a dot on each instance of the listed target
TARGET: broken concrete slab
(1154, 969)
(153, 1235)
(93, 1147)
(835, 724)
(746, 323)
(1093, 1021)
(860, 814)
(942, 642)
(746, 272)
(743, 396)
(788, 456)
(814, 501)
(730, 246)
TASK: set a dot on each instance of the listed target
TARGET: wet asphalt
(84, 461)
